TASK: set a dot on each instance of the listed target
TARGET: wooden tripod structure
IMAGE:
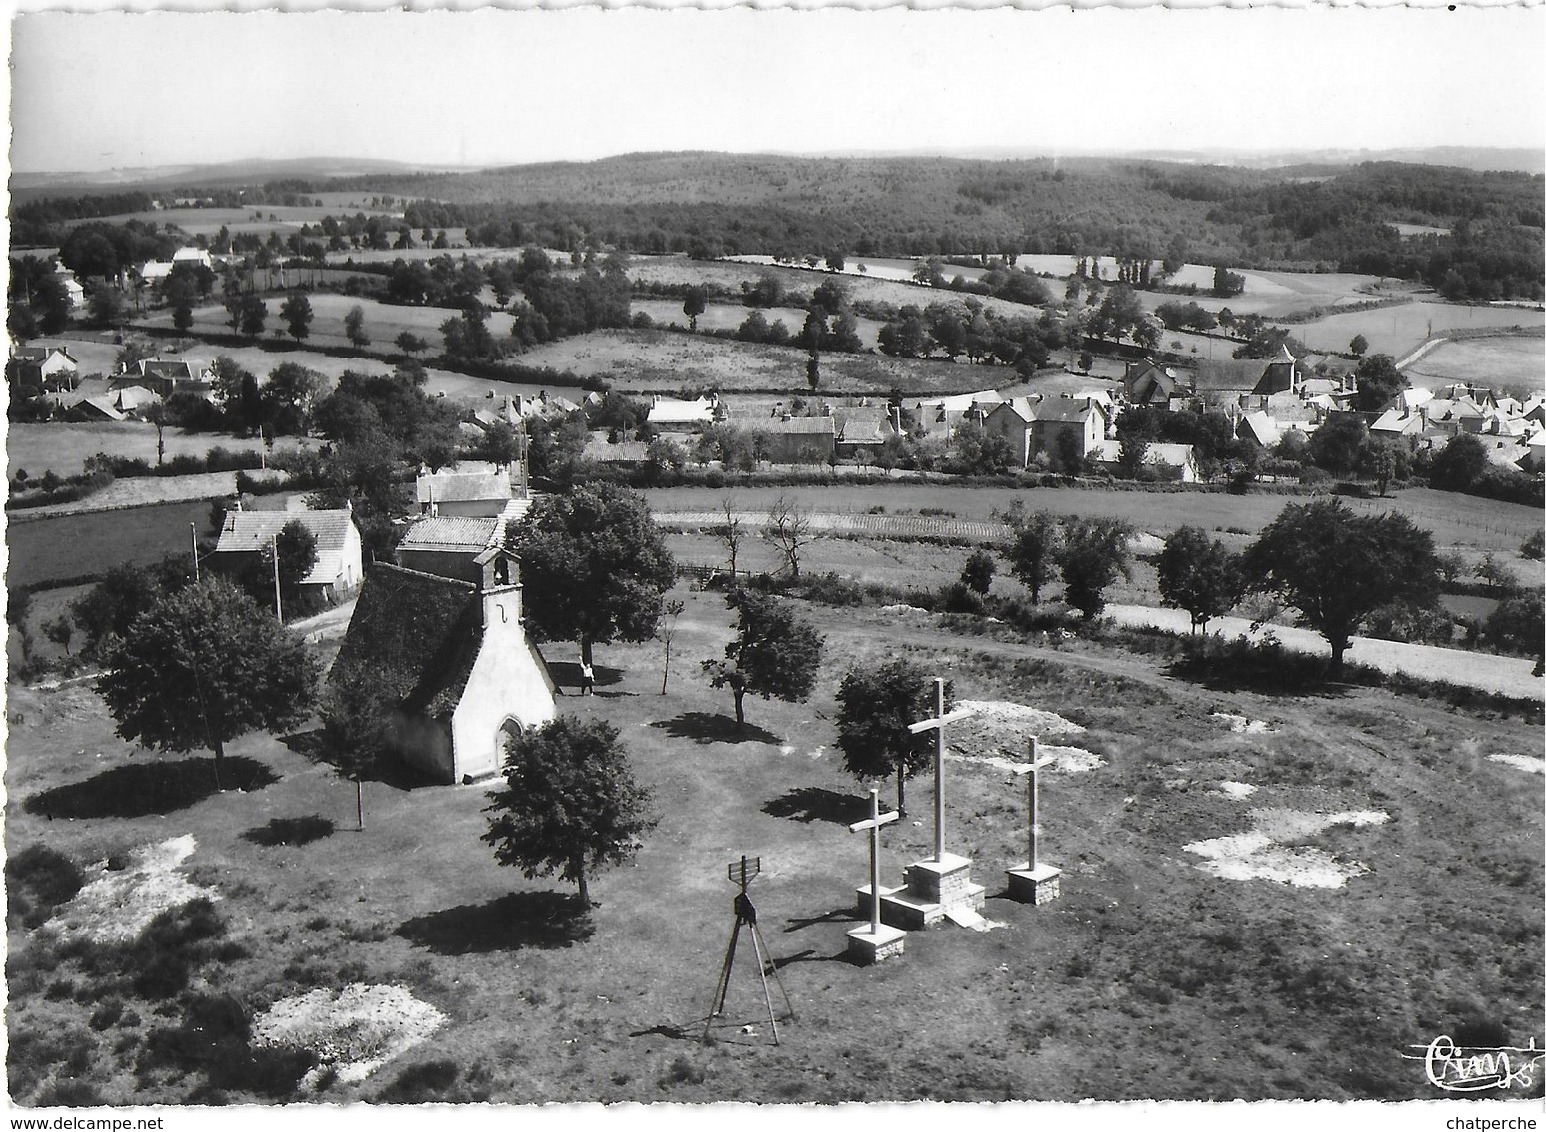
(741, 873)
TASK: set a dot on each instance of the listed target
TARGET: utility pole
(278, 608)
(193, 529)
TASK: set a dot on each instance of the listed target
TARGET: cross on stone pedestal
(1035, 883)
(937, 725)
(878, 943)
(876, 820)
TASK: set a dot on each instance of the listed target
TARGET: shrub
(38, 880)
(1534, 546)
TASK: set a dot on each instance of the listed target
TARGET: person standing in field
(587, 678)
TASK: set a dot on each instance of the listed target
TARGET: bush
(1534, 546)
(38, 880)
(958, 597)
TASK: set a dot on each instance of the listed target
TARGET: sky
(115, 90)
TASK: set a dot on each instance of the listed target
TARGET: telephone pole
(278, 608)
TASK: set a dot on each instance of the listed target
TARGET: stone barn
(454, 663)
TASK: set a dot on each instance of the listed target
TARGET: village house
(1146, 382)
(797, 440)
(1175, 462)
(942, 416)
(448, 545)
(453, 662)
(338, 569)
(1015, 421)
(471, 487)
(668, 414)
(861, 430)
(1083, 420)
(51, 367)
(166, 376)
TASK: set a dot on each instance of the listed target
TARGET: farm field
(1483, 361)
(261, 219)
(87, 545)
(730, 316)
(1205, 977)
(1399, 330)
(662, 361)
(62, 448)
(1455, 520)
(383, 321)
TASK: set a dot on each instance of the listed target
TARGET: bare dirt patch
(1261, 853)
(353, 1031)
(120, 904)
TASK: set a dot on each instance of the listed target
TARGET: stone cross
(1034, 770)
(937, 725)
(876, 820)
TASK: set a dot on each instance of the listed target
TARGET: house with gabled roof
(470, 487)
(1015, 421)
(1147, 382)
(338, 569)
(796, 440)
(671, 414)
(862, 428)
(449, 544)
(1083, 419)
(52, 367)
(453, 663)
(1177, 461)
(165, 376)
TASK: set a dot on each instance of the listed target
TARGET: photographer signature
(1474, 1069)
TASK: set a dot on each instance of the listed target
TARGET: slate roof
(465, 533)
(1065, 409)
(249, 531)
(463, 483)
(668, 411)
(800, 426)
(1229, 374)
(414, 636)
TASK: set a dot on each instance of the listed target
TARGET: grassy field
(1197, 985)
(1485, 361)
(62, 448)
(1455, 520)
(75, 546)
(383, 322)
(730, 316)
(663, 361)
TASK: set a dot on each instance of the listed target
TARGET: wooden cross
(937, 724)
(1034, 770)
(876, 820)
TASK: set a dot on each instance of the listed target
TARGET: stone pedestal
(865, 948)
(862, 898)
(933, 888)
(1040, 885)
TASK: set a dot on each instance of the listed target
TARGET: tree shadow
(545, 920)
(817, 803)
(566, 674)
(389, 770)
(706, 727)
(139, 790)
(290, 831)
(1284, 674)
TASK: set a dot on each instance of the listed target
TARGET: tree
(1517, 624)
(595, 566)
(731, 533)
(694, 304)
(1338, 445)
(355, 725)
(668, 625)
(789, 529)
(1459, 464)
(107, 306)
(61, 630)
(289, 397)
(1378, 381)
(1534, 546)
(155, 413)
(977, 574)
(1358, 345)
(410, 343)
(570, 803)
(1385, 459)
(1200, 576)
(354, 327)
(1035, 537)
(1336, 567)
(813, 370)
(297, 548)
(773, 653)
(251, 316)
(1094, 553)
(876, 704)
(1495, 574)
(203, 666)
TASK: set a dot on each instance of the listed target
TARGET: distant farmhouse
(453, 660)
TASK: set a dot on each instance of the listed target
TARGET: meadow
(42, 551)
(62, 447)
(1304, 971)
(1519, 362)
